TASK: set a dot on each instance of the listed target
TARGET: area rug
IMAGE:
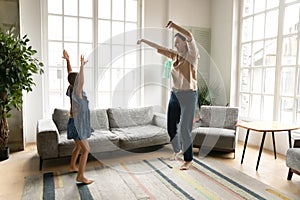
(152, 179)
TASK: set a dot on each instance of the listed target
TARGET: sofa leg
(290, 174)
(41, 163)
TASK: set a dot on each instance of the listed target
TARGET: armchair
(217, 130)
(293, 159)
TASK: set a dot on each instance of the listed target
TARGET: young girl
(79, 128)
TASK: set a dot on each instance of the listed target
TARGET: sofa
(114, 129)
(216, 129)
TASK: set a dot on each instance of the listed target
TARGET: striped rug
(152, 179)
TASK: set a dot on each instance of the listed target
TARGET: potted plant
(17, 66)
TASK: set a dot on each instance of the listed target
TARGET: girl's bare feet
(73, 169)
(175, 155)
(84, 180)
(186, 165)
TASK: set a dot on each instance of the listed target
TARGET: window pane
(255, 111)
(54, 56)
(298, 111)
(72, 49)
(70, 29)
(246, 55)
(86, 8)
(103, 31)
(131, 10)
(298, 78)
(54, 27)
(272, 3)
(257, 80)
(286, 109)
(248, 7)
(291, 19)
(247, 30)
(244, 105)
(268, 108)
(287, 81)
(86, 50)
(56, 79)
(131, 59)
(118, 62)
(118, 9)
(258, 53)
(289, 50)
(104, 9)
(131, 33)
(104, 80)
(117, 32)
(55, 6)
(259, 5)
(289, 1)
(258, 26)
(271, 24)
(104, 100)
(117, 79)
(269, 80)
(55, 100)
(85, 30)
(270, 52)
(245, 80)
(104, 55)
(70, 7)
(130, 79)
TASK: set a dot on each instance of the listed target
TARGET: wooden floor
(21, 164)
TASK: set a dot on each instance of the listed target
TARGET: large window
(105, 31)
(269, 60)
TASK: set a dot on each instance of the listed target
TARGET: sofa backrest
(218, 116)
(60, 118)
(99, 119)
(125, 117)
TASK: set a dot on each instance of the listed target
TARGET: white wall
(30, 12)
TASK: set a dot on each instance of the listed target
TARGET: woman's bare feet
(84, 181)
(186, 165)
(175, 155)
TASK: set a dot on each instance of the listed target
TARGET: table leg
(245, 144)
(274, 147)
(260, 149)
(290, 138)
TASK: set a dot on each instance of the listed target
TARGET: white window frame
(95, 95)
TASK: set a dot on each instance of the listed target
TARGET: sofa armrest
(47, 139)
(159, 119)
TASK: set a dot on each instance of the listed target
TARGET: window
(269, 60)
(105, 31)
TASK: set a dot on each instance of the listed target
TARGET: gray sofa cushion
(141, 136)
(293, 158)
(99, 119)
(126, 117)
(60, 118)
(100, 141)
(218, 117)
(214, 138)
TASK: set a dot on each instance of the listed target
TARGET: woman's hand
(139, 41)
(169, 24)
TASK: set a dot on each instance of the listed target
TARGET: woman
(183, 99)
(79, 128)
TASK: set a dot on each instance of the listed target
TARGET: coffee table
(264, 127)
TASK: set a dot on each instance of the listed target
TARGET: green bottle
(167, 69)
